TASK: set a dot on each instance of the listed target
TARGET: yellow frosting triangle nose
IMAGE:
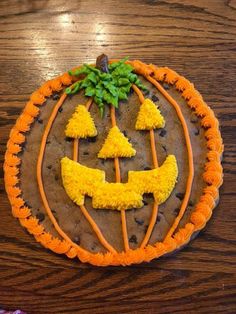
(116, 145)
(149, 116)
(81, 124)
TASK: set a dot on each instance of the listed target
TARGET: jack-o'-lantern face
(116, 171)
(80, 181)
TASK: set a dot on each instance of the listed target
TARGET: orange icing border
(213, 175)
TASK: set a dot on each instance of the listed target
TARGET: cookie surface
(119, 235)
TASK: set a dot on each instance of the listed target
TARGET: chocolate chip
(85, 153)
(180, 196)
(68, 139)
(93, 248)
(48, 142)
(49, 167)
(92, 139)
(140, 222)
(147, 168)
(76, 240)
(125, 133)
(194, 119)
(40, 217)
(27, 204)
(60, 109)
(163, 132)
(145, 203)
(197, 131)
(133, 239)
(166, 86)
(176, 211)
(164, 148)
(55, 96)
(40, 121)
(155, 98)
(190, 203)
(56, 177)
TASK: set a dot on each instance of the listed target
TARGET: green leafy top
(106, 88)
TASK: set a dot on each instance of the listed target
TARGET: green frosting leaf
(92, 77)
(90, 91)
(106, 88)
(123, 81)
(122, 95)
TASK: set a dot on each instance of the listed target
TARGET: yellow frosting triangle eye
(149, 116)
(116, 145)
(81, 124)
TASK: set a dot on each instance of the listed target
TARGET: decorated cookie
(114, 163)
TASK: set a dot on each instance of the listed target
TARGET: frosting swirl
(212, 190)
(215, 144)
(182, 83)
(212, 177)
(31, 109)
(37, 98)
(198, 219)
(56, 85)
(21, 213)
(66, 79)
(213, 155)
(46, 89)
(171, 76)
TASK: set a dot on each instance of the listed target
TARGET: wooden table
(39, 40)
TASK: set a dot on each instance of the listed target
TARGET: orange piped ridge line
(124, 229)
(82, 207)
(76, 149)
(139, 93)
(153, 148)
(118, 179)
(155, 205)
(155, 164)
(190, 155)
(97, 230)
(39, 171)
(212, 176)
(117, 169)
(151, 225)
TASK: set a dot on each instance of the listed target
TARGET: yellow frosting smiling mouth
(79, 181)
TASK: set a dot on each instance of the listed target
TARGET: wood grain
(39, 40)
